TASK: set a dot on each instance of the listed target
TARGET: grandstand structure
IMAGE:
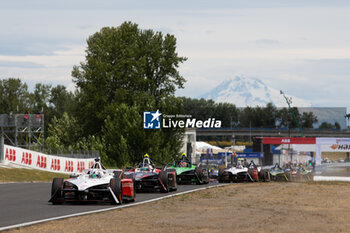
(22, 130)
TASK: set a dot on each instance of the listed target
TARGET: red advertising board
(276, 140)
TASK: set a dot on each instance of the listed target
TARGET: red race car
(149, 178)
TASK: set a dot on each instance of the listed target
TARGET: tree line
(248, 117)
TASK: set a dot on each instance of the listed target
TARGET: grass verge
(27, 175)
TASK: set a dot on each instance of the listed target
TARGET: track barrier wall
(41, 161)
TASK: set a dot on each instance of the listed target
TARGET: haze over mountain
(243, 91)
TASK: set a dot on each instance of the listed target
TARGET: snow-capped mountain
(243, 91)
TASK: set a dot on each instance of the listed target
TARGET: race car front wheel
(163, 176)
(57, 190)
(202, 174)
(116, 185)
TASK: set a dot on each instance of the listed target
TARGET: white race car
(234, 174)
(94, 184)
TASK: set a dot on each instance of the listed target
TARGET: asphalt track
(26, 202)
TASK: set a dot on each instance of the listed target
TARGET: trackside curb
(108, 209)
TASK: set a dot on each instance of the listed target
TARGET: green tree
(14, 96)
(259, 116)
(269, 116)
(202, 109)
(337, 126)
(308, 119)
(62, 132)
(326, 125)
(62, 101)
(40, 97)
(128, 71)
(247, 117)
(122, 63)
(285, 118)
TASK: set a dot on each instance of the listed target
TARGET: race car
(258, 173)
(93, 185)
(278, 174)
(236, 173)
(188, 173)
(298, 173)
(149, 178)
(304, 174)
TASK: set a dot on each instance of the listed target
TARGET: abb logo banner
(37, 160)
(26, 158)
(80, 166)
(274, 140)
(41, 161)
(69, 166)
(10, 154)
(55, 164)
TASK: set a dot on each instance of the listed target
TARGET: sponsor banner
(278, 140)
(244, 155)
(336, 147)
(219, 160)
(334, 144)
(41, 161)
(250, 155)
(331, 141)
(331, 144)
(211, 158)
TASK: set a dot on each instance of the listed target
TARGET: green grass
(27, 175)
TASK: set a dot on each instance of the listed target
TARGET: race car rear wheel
(221, 176)
(56, 190)
(117, 173)
(172, 179)
(202, 174)
(116, 185)
(133, 183)
(163, 176)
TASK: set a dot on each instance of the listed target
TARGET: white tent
(200, 146)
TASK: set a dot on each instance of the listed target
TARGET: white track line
(104, 210)
(331, 178)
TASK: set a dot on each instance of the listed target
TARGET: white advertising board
(37, 160)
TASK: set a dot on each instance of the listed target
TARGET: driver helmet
(183, 164)
(94, 174)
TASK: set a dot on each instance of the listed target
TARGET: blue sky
(300, 47)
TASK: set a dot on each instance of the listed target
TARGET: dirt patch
(258, 207)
